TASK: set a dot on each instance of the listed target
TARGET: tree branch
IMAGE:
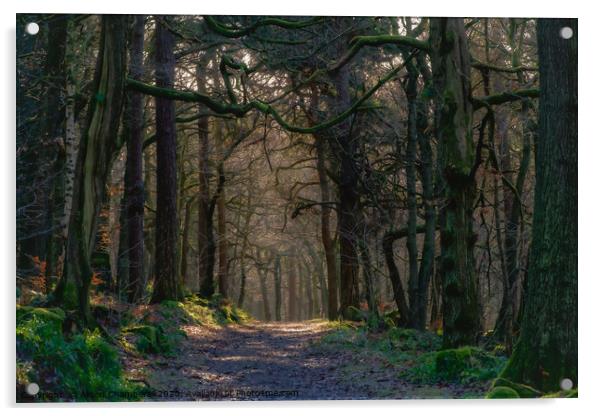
(230, 32)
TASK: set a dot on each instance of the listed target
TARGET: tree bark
(349, 199)
(277, 288)
(96, 151)
(327, 240)
(425, 274)
(205, 225)
(546, 351)
(222, 246)
(166, 279)
(411, 89)
(451, 76)
(134, 181)
(54, 136)
(292, 289)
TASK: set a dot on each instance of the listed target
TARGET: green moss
(70, 301)
(523, 390)
(54, 315)
(413, 340)
(154, 338)
(502, 393)
(464, 365)
(562, 394)
(82, 368)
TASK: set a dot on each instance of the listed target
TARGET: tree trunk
(411, 89)
(222, 245)
(347, 148)
(327, 241)
(185, 242)
(54, 132)
(134, 181)
(166, 279)
(427, 263)
(546, 351)
(263, 276)
(292, 289)
(96, 151)
(398, 291)
(277, 288)
(451, 76)
(205, 226)
(243, 251)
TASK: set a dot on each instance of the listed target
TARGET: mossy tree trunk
(96, 152)
(166, 280)
(546, 351)
(451, 78)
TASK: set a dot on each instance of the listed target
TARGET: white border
(590, 201)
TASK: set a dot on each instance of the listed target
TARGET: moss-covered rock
(524, 391)
(562, 394)
(466, 364)
(53, 315)
(502, 393)
(149, 338)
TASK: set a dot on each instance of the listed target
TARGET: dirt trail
(264, 361)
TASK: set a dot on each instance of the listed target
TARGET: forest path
(268, 361)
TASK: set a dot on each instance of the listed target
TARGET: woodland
(272, 207)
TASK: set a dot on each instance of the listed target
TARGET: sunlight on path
(265, 361)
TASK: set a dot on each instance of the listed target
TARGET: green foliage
(158, 331)
(54, 315)
(354, 314)
(502, 393)
(393, 346)
(413, 340)
(83, 368)
(149, 338)
(464, 365)
(194, 309)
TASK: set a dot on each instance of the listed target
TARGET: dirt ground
(269, 361)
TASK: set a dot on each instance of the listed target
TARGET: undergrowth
(82, 367)
(415, 355)
(71, 365)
